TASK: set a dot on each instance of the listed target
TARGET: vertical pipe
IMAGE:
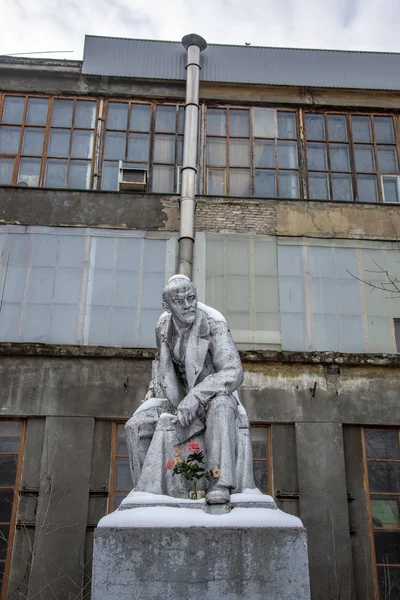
(194, 44)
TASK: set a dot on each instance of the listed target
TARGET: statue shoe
(218, 495)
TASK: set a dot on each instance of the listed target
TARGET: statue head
(180, 299)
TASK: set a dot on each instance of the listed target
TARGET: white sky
(43, 25)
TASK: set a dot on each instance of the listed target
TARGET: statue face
(182, 302)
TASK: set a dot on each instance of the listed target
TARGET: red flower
(169, 464)
(194, 447)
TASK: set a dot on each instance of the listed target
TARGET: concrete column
(324, 509)
(57, 569)
(363, 561)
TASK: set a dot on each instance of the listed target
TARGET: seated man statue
(192, 395)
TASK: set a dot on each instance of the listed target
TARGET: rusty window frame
(178, 135)
(352, 145)
(376, 495)
(47, 127)
(225, 169)
(115, 495)
(13, 519)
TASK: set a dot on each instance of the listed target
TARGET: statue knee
(142, 424)
(222, 403)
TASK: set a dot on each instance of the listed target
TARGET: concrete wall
(72, 395)
(159, 212)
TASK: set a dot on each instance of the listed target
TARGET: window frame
(252, 139)
(14, 511)
(47, 127)
(370, 495)
(152, 133)
(352, 145)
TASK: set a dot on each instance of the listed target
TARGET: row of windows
(382, 461)
(262, 152)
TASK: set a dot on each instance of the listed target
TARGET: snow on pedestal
(170, 549)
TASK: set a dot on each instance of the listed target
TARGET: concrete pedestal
(198, 556)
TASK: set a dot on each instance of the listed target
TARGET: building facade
(297, 227)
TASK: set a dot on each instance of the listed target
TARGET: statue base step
(167, 552)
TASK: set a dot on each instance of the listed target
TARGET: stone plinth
(164, 552)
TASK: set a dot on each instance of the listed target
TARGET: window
(352, 157)
(121, 480)
(136, 132)
(242, 283)
(261, 445)
(47, 142)
(252, 152)
(382, 456)
(11, 443)
(397, 333)
(61, 285)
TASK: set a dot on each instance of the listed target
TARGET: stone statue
(192, 396)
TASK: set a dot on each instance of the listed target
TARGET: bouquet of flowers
(191, 467)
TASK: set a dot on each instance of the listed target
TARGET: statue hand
(187, 410)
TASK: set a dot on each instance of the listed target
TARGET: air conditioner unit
(132, 178)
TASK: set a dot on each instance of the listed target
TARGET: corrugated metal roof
(149, 59)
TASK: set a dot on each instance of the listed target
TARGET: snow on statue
(192, 396)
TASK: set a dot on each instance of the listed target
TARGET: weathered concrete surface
(57, 570)
(337, 220)
(88, 208)
(200, 563)
(323, 509)
(75, 382)
(160, 212)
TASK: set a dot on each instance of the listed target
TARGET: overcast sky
(43, 25)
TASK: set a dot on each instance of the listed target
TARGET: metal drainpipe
(194, 44)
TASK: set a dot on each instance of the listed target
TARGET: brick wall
(236, 215)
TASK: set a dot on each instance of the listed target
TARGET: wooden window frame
(352, 145)
(152, 132)
(14, 511)
(276, 169)
(47, 126)
(371, 495)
